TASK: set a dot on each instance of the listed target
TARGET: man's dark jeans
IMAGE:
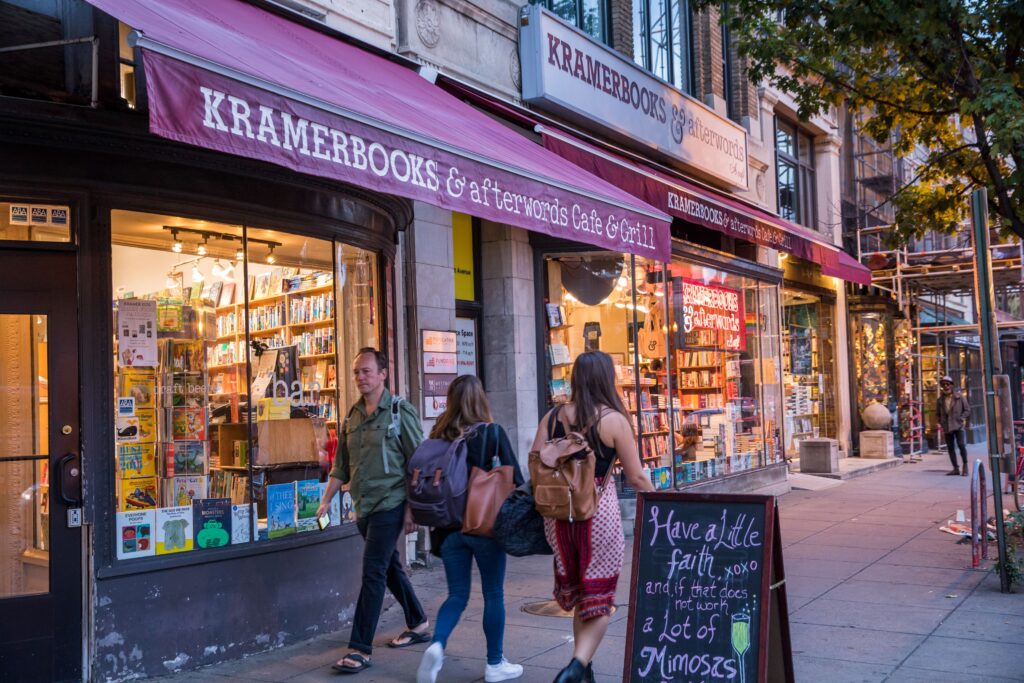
(954, 438)
(382, 566)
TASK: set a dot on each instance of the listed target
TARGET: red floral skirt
(588, 558)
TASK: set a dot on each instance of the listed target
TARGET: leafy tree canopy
(941, 78)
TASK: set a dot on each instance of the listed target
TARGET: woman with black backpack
(468, 416)
(589, 553)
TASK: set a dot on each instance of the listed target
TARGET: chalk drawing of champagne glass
(741, 641)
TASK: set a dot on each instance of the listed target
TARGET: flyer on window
(136, 333)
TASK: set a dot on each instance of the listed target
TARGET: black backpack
(519, 528)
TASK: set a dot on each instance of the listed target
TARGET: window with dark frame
(794, 170)
(590, 16)
(662, 40)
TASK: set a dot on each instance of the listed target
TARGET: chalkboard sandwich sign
(707, 601)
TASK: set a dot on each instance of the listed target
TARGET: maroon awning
(228, 76)
(706, 207)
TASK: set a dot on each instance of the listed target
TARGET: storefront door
(40, 488)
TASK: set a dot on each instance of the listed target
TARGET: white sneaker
(503, 671)
(430, 665)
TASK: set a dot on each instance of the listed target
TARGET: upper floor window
(591, 16)
(794, 168)
(48, 50)
(662, 43)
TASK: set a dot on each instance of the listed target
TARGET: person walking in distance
(468, 415)
(378, 436)
(953, 412)
(589, 554)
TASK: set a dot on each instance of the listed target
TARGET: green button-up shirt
(371, 456)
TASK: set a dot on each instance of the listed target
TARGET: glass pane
(180, 403)
(593, 19)
(659, 39)
(681, 44)
(358, 327)
(808, 355)
(57, 71)
(32, 222)
(24, 484)
(787, 189)
(640, 32)
(566, 9)
(293, 328)
(785, 139)
(721, 364)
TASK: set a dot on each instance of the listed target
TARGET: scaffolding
(934, 289)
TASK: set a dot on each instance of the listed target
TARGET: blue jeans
(457, 552)
(382, 567)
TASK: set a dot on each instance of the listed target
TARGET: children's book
(243, 523)
(211, 520)
(280, 510)
(335, 509)
(188, 390)
(126, 429)
(213, 296)
(332, 379)
(169, 318)
(186, 355)
(147, 425)
(136, 460)
(181, 491)
(135, 537)
(137, 384)
(138, 493)
(227, 295)
(308, 502)
(275, 281)
(262, 286)
(188, 424)
(189, 457)
(173, 529)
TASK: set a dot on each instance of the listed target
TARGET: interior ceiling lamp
(239, 254)
(177, 246)
(172, 281)
(270, 255)
(196, 275)
(201, 249)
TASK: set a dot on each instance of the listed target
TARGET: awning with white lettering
(705, 207)
(228, 76)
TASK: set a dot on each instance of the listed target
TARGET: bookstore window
(808, 367)
(227, 349)
(695, 352)
(724, 336)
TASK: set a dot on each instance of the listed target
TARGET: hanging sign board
(708, 599)
(720, 309)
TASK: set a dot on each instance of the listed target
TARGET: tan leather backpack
(562, 475)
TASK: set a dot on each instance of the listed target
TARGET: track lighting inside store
(177, 246)
(270, 256)
(172, 280)
(196, 275)
(239, 254)
(201, 249)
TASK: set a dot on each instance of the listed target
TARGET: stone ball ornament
(877, 416)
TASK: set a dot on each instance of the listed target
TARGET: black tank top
(604, 455)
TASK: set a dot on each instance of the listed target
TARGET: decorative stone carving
(515, 68)
(428, 22)
(759, 185)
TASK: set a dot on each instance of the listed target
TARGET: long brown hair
(467, 406)
(593, 388)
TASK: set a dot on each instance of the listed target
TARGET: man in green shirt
(376, 440)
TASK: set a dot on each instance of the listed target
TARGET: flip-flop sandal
(414, 639)
(364, 663)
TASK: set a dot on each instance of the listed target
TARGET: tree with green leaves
(941, 78)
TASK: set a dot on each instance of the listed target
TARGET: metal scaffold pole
(985, 306)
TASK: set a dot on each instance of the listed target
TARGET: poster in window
(136, 333)
(800, 359)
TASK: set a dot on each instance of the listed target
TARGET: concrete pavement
(876, 593)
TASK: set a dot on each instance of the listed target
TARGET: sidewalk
(876, 593)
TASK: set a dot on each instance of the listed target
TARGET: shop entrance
(40, 487)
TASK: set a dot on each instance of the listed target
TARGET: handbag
(488, 489)
(518, 527)
(562, 473)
